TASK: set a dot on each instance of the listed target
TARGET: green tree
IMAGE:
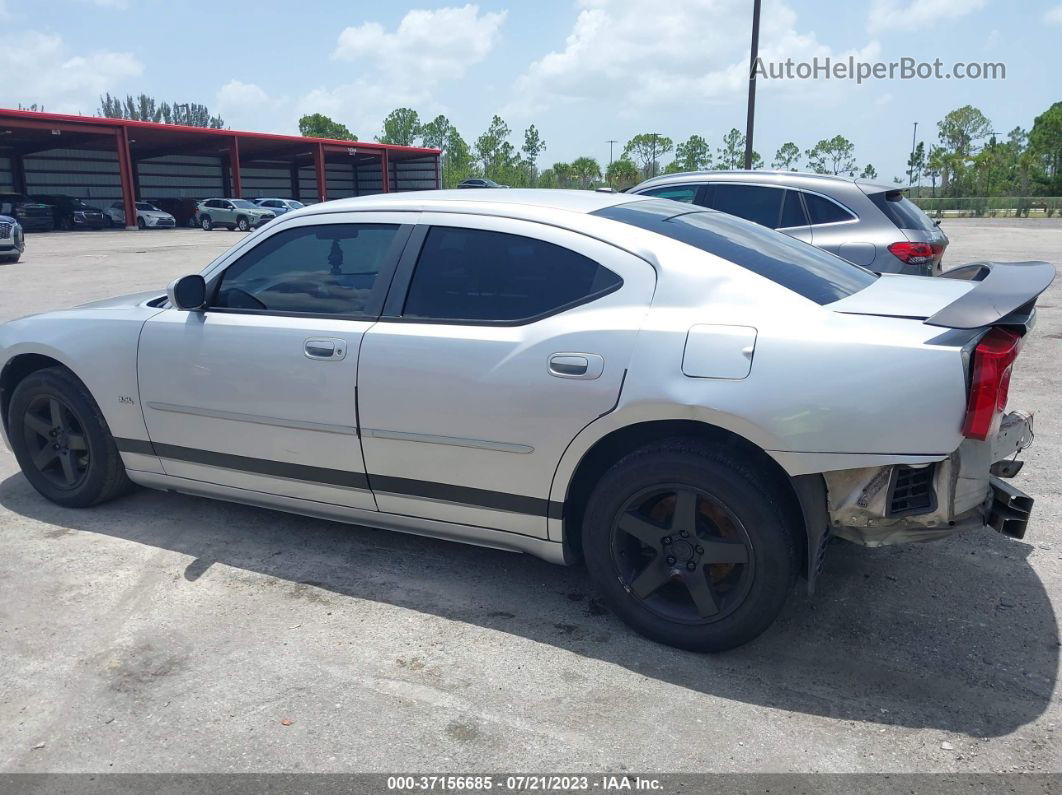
(916, 164)
(868, 172)
(401, 127)
(832, 156)
(585, 171)
(936, 165)
(960, 133)
(731, 155)
(646, 149)
(317, 125)
(497, 157)
(534, 145)
(456, 161)
(693, 154)
(145, 108)
(562, 173)
(548, 179)
(1045, 143)
(622, 173)
(787, 157)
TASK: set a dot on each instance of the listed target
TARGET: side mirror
(187, 292)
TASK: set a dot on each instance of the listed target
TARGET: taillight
(916, 253)
(993, 360)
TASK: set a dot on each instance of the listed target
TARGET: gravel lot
(164, 632)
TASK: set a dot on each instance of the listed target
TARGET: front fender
(99, 346)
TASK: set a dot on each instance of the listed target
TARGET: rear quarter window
(901, 211)
(808, 271)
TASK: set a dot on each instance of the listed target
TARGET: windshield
(808, 271)
(146, 206)
(294, 204)
(243, 203)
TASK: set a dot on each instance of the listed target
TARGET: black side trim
(464, 495)
(139, 446)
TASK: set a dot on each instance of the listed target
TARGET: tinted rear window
(901, 211)
(808, 271)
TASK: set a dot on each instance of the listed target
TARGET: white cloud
(638, 54)
(426, 46)
(917, 14)
(1053, 16)
(395, 69)
(247, 106)
(38, 67)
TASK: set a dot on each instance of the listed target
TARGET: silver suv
(232, 213)
(870, 224)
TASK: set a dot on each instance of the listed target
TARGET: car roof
(795, 179)
(576, 201)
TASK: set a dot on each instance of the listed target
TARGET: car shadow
(959, 635)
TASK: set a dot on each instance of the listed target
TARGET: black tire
(79, 465)
(243, 224)
(11, 259)
(745, 547)
(206, 223)
(140, 224)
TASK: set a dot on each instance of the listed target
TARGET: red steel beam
(385, 167)
(319, 169)
(125, 172)
(234, 164)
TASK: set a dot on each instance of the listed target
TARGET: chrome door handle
(325, 348)
(576, 365)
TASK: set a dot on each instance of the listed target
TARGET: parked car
(148, 216)
(70, 212)
(869, 224)
(12, 241)
(232, 214)
(182, 210)
(33, 216)
(480, 183)
(279, 206)
(561, 373)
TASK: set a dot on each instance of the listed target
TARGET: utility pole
(611, 141)
(749, 121)
(910, 163)
(655, 136)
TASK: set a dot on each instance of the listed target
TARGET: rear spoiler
(1006, 294)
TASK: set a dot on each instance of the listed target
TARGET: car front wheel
(242, 224)
(62, 442)
(690, 546)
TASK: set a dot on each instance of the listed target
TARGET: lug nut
(700, 550)
(670, 560)
(683, 533)
(667, 540)
(691, 565)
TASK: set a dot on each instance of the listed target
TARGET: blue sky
(583, 71)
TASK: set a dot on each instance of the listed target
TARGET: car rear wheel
(62, 442)
(689, 546)
(206, 223)
(242, 224)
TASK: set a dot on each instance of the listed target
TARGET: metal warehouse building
(104, 160)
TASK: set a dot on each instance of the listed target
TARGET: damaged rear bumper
(879, 506)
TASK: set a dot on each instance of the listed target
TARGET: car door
(501, 339)
(258, 391)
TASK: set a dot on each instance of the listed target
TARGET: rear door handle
(576, 365)
(325, 348)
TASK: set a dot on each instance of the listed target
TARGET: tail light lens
(916, 253)
(993, 360)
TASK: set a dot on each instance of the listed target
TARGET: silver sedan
(691, 403)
